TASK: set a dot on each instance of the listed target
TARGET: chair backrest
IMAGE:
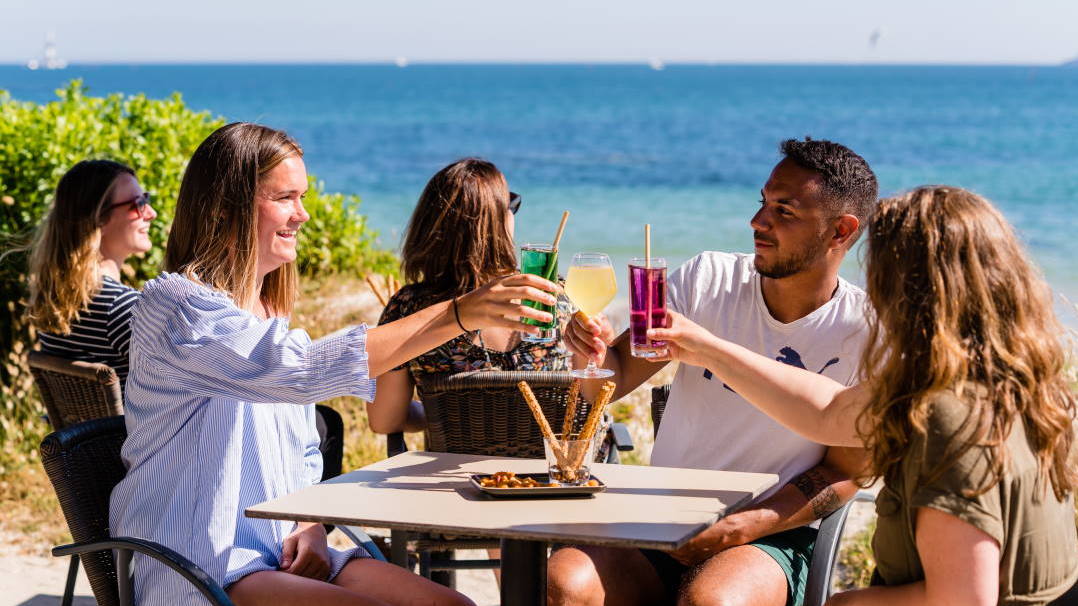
(331, 440)
(75, 391)
(83, 463)
(659, 395)
(483, 412)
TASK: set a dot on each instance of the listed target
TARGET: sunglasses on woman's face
(514, 202)
(136, 204)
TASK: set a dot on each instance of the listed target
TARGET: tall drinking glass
(647, 306)
(540, 260)
(591, 286)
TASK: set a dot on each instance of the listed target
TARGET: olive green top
(1036, 533)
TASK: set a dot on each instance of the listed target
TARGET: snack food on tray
(508, 479)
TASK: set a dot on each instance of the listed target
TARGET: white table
(642, 507)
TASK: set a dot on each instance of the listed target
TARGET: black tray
(539, 492)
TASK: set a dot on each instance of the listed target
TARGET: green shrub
(39, 142)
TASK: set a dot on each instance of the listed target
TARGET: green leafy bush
(39, 142)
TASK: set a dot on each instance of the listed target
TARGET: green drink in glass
(540, 260)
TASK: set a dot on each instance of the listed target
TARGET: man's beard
(794, 263)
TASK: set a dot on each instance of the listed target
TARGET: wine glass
(591, 286)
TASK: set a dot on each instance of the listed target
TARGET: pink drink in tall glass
(647, 306)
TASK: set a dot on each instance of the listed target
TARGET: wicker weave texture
(75, 391)
(83, 463)
(483, 412)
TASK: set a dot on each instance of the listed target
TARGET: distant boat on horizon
(656, 64)
(401, 61)
(49, 58)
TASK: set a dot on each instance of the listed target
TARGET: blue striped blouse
(219, 418)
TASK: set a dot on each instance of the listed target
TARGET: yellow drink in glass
(591, 288)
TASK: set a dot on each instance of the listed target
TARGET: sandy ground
(38, 580)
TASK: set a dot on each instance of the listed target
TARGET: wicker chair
(75, 391)
(83, 463)
(825, 552)
(483, 412)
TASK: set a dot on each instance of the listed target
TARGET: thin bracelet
(456, 313)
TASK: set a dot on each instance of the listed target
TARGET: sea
(685, 148)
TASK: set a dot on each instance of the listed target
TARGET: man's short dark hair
(849, 185)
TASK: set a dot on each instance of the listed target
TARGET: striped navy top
(218, 419)
(101, 333)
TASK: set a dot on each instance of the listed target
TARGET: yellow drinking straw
(561, 228)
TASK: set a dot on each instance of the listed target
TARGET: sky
(768, 31)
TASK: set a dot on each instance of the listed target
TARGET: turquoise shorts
(791, 550)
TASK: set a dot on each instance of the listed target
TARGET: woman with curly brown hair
(964, 408)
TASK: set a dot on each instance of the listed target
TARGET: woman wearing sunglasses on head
(100, 216)
(460, 236)
(219, 414)
(965, 408)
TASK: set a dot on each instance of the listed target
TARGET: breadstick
(596, 412)
(377, 292)
(540, 418)
(595, 415)
(570, 409)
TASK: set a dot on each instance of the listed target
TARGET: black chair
(83, 463)
(829, 538)
(482, 412)
(331, 443)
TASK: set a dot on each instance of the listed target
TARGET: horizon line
(394, 62)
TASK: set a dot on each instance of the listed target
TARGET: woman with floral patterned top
(460, 235)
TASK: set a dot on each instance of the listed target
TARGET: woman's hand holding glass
(497, 304)
(589, 337)
(688, 342)
(591, 286)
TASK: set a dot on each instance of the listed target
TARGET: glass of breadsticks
(569, 454)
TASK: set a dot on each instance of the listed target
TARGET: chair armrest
(828, 539)
(623, 440)
(361, 538)
(174, 560)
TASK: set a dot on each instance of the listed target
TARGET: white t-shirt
(708, 426)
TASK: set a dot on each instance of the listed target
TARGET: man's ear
(845, 226)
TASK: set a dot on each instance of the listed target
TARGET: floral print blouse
(461, 354)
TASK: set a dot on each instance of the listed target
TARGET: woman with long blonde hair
(100, 216)
(965, 409)
(219, 412)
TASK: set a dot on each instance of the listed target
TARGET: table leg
(523, 573)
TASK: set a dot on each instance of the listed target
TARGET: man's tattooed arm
(816, 486)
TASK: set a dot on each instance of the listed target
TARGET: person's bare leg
(601, 576)
(276, 588)
(394, 585)
(740, 576)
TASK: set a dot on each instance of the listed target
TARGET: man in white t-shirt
(786, 301)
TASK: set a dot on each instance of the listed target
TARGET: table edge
(251, 512)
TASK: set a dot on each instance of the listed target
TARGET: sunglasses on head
(136, 204)
(514, 202)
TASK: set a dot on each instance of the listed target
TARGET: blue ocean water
(686, 148)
